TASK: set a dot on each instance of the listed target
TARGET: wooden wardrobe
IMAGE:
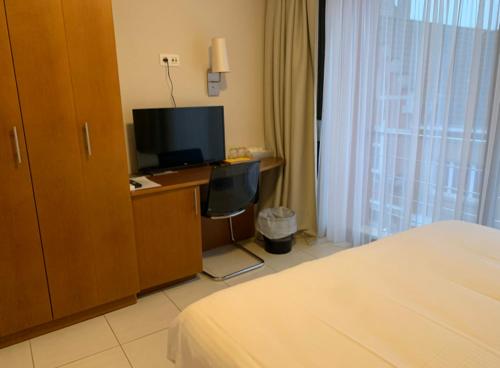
(66, 222)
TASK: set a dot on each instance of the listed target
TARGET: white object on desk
(238, 152)
(146, 183)
(163, 173)
(258, 153)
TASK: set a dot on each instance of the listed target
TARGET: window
(407, 136)
(433, 154)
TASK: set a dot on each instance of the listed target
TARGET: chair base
(239, 272)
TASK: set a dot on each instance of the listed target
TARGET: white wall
(146, 28)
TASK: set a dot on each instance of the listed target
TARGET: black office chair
(232, 189)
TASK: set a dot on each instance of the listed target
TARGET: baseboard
(156, 288)
(66, 321)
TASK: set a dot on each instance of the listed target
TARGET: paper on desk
(146, 183)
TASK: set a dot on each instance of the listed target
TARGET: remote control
(135, 184)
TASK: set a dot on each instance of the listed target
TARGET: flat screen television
(171, 138)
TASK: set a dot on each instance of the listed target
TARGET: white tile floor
(136, 336)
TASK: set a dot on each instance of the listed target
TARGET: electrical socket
(173, 60)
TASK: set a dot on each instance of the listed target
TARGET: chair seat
(216, 216)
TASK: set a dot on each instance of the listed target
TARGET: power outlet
(173, 60)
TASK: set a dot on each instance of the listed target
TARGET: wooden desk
(170, 231)
(196, 176)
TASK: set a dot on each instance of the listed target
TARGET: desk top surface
(195, 176)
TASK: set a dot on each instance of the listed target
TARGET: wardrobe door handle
(87, 138)
(195, 201)
(16, 146)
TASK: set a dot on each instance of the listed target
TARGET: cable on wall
(171, 82)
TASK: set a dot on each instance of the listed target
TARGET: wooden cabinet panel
(168, 236)
(55, 148)
(24, 296)
(96, 90)
(66, 72)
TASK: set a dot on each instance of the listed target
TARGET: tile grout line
(200, 277)
(271, 267)
(31, 351)
(228, 285)
(147, 335)
(162, 291)
(140, 337)
(172, 300)
(85, 357)
(317, 256)
(126, 356)
(165, 294)
(268, 264)
(119, 343)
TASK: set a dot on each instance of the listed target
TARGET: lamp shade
(220, 63)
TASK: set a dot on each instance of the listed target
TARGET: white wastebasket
(277, 225)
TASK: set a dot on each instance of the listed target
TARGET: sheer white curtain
(410, 130)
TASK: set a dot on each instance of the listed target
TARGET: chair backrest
(232, 188)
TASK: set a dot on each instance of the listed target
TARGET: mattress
(428, 297)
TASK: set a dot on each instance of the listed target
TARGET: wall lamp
(220, 64)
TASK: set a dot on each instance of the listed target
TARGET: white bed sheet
(429, 297)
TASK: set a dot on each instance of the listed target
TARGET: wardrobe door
(24, 297)
(56, 147)
(92, 57)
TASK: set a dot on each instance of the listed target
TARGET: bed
(428, 297)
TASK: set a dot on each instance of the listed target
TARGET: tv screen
(170, 138)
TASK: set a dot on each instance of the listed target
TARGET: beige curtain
(289, 105)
